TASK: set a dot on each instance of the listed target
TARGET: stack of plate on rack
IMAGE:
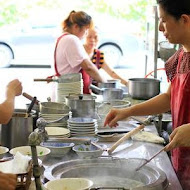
(57, 132)
(70, 84)
(54, 117)
(80, 126)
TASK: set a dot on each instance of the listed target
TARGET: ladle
(26, 95)
(147, 161)
(125, 137)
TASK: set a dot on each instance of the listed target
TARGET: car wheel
(113, 54)
(6, 55)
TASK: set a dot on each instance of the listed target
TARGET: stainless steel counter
(134, 149)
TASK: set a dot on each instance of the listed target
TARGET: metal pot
(81, 105)
(166, 50)
(143, 88)
(108, 93)
(16, 132)
(110, 84)
(111, 172)
(53, 108)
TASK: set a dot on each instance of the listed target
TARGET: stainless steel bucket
(16, 132)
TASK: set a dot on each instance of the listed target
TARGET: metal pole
(155, 41)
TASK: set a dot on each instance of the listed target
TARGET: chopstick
(125, 137)
(147, 161)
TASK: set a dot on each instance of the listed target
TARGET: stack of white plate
(80, 126)
(70, 84)
(54, 117)
(57, 132)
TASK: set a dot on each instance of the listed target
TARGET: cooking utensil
(143, 88)
(81, 105)
(110, 84)
(110, 171)
(26, 95)
(147, 161)
(30, 106)
(53, 108)
(16, 132)
(66, 78)
(125, 137)
(166, 50)
(108, 93)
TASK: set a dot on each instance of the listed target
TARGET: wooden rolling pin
(125, 137)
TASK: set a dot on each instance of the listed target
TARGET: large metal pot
(108, 93)
(143, 88)
(81, 105)
(16, 132)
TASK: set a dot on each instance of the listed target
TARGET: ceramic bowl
(87, 151)
(42, 152)
(58, 148)
(69, 184)
(3, 151)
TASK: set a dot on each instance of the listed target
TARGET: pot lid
(80, 97)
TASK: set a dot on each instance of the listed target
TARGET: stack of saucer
(80, 126)
(57, 132)
(54, 117)
(70, 84)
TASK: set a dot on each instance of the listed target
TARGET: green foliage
(12, 11)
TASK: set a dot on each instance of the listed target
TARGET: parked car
(26, 45)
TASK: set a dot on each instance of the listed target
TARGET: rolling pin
(125, 137)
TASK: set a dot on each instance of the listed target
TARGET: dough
(148, 137)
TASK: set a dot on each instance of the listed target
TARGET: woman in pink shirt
(70, 55)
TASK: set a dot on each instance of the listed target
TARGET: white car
(33, 46)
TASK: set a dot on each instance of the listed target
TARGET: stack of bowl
(70, 84)
(80, 126)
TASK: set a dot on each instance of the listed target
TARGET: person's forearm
(116, 76)
(7, 109)
(92, 70)
(113, 74)
(156, 105)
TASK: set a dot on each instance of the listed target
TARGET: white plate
(57, 131)
(81, 124)
(82, 120)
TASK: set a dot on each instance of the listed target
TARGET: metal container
(111, 172)
(110, 84)
(81, 105)
(143, 88)
(166, 50)
(16, 132)
(108, 93)
(53, 108)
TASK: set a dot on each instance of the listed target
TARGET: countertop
(135, 149)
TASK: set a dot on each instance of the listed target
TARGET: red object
(55, 64)
(153, 71)
(180, 107)
(87, 80)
